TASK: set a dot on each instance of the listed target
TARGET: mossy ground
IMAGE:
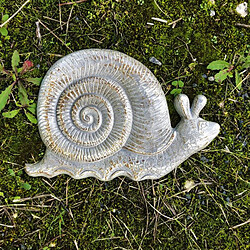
(122, 214)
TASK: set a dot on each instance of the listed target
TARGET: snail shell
(102, 113)
(95, 102)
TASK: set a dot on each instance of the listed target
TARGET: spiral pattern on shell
(85, 117)
(95, 102)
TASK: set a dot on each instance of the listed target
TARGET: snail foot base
(51, 165)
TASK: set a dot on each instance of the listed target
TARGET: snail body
(102, 113)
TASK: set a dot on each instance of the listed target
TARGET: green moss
(120, 214)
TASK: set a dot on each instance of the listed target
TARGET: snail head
(193, 129)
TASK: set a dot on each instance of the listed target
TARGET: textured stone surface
(102, 113)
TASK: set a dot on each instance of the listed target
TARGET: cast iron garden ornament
(103, 114)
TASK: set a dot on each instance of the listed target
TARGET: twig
(32, 198)
(57, 55)
(243, 25)
(54, 30)
(117, 219)
(239, 225)
(52, 19)
(6, 225)
(11, 218)
(145, 201)
(159, 19)
(77, 248)
(55, 35)
(193, 59)
(165, 21)
(69, 3)
(223, 212)
(160, 8)
(174, 22)
(184, 191)
(22, 205)
(111, 238)
(38, 34)
(85, 21)
(93, 39)
(13, 163)
(240, 83)
(67, 26)
(67, 188)
(14, 14)
(60, 16)
(165, 216)
(32, 209)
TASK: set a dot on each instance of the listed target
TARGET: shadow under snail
(103, 114)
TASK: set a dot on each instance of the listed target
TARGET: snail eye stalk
(198, 104)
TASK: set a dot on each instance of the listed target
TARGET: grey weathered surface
(102, 113)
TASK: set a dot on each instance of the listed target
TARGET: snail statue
(103, 114)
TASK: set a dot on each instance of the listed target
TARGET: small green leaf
(181, 84)
(36, 81)
(23, 96)
(12, 173)
(192, 65)
(175, 91)
(32, 108)
(11, 114)
(4, 96)
(15, 60)
(25, 185)
(221, 76)
(5, 18)
(178, 83)
(238, 79)
(4, 31)
(31, 117)
(217, 65)
(1, 194)
(178, 91)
